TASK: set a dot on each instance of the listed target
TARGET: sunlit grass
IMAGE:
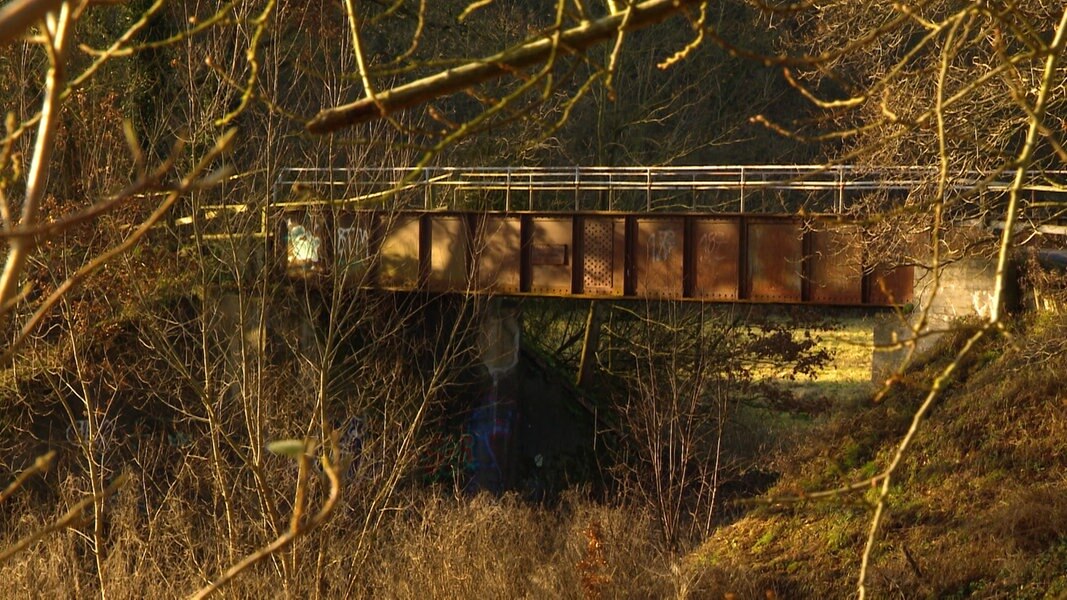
(849, 372)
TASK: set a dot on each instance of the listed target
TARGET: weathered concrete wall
(963, 289)
(498, 338)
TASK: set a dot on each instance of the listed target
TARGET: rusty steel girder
(784, 259)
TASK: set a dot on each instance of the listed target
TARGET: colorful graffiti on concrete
(303, 248)
(490, 433)
(447, 459)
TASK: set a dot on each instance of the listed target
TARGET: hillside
(979, 507)
(180, 411)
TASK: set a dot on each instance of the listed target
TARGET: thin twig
(71, 519)
(42, 464)
(296, 530)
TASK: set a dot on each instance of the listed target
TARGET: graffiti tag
(661, 245)
(708, 245)
(353, 245)
(303, 246)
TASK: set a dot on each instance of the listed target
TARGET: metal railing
(714, 189)
(540, 188)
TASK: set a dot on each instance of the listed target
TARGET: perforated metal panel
(599, 254)
(603, 255)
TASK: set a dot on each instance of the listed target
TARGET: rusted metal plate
(305, 252)
(602, 255)
(448, 254)
(659, 255)
(352, 247)
(775, 253)
(551, 255)
(399, 262)
(497, 253)
(836, 264)
(891, 285)
(711, 258)
(716, 251)
(548, 255)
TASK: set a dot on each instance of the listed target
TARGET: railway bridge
(710, 234)
(753, 234)
(725, 234)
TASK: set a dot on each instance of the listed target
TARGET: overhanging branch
(572, 41)
(18, 15)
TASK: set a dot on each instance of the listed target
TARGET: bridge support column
(590, 343)
(964, 289)
(235, 325)
(493, 425)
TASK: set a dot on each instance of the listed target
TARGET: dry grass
(981, 507)
(435, 547)
(981, 511)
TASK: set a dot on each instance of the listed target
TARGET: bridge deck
(703, 233)
(669, 256)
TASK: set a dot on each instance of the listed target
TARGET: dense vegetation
(172, 407)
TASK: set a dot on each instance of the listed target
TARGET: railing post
(427, 194)
(576, 186)
(611, 190)
(507, 192)
(648, 189)
(742, 190)
(840, 189)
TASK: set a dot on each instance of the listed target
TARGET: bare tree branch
(38, 175)
(18, 15)
(572, 41)
(42, 464)
(70, 519)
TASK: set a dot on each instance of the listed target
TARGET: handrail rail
(379, 183)
(795, 177)
(655, 188)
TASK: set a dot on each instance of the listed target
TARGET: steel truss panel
(763, 258)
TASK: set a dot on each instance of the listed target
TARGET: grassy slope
(979, 508)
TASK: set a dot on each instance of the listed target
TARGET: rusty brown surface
(775, 258)
(659, 254)
(722, 258)
(891, 285)
(551, 255)
(448, 254)
(548, 255)
(716, 251)
(399, 254)
(836, 264)
(498, 249)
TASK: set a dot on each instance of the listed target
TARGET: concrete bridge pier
(964, 289)
(235, 326)
(493, 423)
